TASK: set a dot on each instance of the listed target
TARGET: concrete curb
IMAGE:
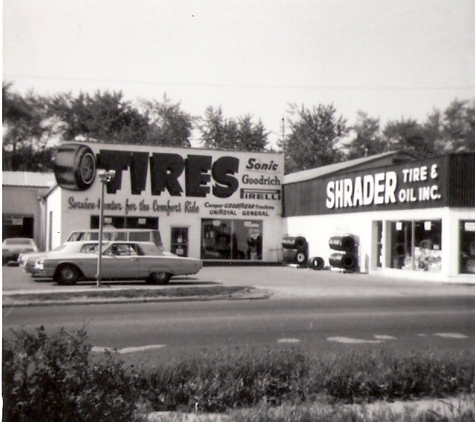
(9, 302)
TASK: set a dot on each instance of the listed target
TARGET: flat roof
(28, 179)
(342, 167)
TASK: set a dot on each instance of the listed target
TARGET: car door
(119, 260)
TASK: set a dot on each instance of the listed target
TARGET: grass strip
(211, 291)
(217, 382)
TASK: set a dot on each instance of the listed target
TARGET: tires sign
(153, 179)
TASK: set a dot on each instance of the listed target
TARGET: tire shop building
(388, 214)
(208, 204)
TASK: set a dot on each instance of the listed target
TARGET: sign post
(105, 177)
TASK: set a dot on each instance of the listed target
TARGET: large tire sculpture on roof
(75, 167)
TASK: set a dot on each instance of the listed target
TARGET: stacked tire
(316, 263)
(344, 256)
(295, 250)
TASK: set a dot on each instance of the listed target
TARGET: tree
(313, 138)
(459, 126)
(218, 132)
(408, 136)
(433, 132)
(168, 124)
(102, 117)
(368, 138)
(252, 137)
(26, 132)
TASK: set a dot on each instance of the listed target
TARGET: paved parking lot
(285, 281)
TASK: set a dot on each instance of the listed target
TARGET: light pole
(105, 177)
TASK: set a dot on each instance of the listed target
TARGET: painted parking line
(349, 340)
(380, 338)
(451, 335)
(444, 335)
(98, 349)
(384, 337)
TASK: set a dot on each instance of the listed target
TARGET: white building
(208, 204)
(23, 204)
(408, 218)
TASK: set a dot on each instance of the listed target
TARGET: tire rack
(344, 257)
(295, 251)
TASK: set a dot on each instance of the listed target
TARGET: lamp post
(105, 177)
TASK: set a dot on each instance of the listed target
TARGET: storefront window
(231, 239)
(467, 247)
(179, 241)
(416, 245)
(126, 222)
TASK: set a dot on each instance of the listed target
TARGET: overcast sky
(391, 59)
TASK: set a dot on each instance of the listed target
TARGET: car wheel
(159, 277)
(68, 275)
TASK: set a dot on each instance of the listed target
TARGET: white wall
(54, 233)
(318, 230)
(66, 220)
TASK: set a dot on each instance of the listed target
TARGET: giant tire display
(290, 242)
(346, 261)
(75, 167)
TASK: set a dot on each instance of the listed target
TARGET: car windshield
(18, 242)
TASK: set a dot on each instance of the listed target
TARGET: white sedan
(119, 260)
(29, 261)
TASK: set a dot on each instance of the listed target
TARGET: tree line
(317, 136)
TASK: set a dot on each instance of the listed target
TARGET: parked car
(133, 235)
(28, 261)
(14, 246)
(120, 260)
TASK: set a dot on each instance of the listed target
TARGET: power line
(253, 86)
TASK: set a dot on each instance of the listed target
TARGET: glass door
(179, 241)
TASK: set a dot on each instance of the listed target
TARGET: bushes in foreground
(53, 378)
(56, 378)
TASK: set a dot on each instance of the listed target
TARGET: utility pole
(104, 177)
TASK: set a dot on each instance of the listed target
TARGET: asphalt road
(321, 311)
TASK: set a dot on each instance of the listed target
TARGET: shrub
(385, 375)
(219, 381)
(52, 378)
